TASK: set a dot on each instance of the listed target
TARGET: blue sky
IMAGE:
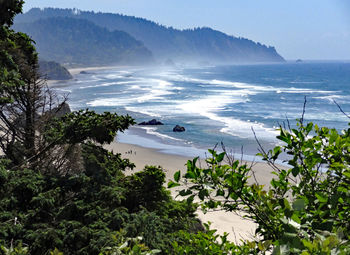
(307, 29)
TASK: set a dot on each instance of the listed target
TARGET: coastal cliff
(198, 45)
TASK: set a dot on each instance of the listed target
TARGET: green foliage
(69, 210)
(8, 9)
(129, 246)
(146, 189)
(18, 250)
(208, 242)
(80, 212)
(306, 208)
(84, 125)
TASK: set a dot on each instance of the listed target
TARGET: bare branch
(303, 114)
(341, 110)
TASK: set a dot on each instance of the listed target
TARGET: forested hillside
(77, 41)
(194, 45)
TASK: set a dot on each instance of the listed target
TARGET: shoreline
(231, 223)
(76, 70)
(143, 148)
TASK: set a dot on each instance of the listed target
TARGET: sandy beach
(75, 71)
(237, 227)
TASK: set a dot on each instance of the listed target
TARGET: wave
(305, 82)
(331, 98)
(63, 90)
(253, 87)
(209, 107)
(108, 84)
(293, 90)
(151, 95)
(144, 111)
(152, 131)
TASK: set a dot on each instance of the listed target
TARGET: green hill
(80, 42)
(198, 45)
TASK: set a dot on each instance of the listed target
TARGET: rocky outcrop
(60, 110)
(53, 71)
(178, 128)
(153, 122)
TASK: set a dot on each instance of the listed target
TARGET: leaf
(190, 199)
(190, 175)
(172, 184)
(295, 171)
(321, 197)
(235, 164)
(309, 127)
(189, 165)
(185, 192)
(202, 194)
(177, 176)
(220, 157)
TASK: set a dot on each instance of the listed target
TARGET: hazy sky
(307, 29)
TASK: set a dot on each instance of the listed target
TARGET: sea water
(216, 104)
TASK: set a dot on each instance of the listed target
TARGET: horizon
(313, 30)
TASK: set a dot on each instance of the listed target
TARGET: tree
(22, 94)
(32, 129)
(8, 9)
(306, 208)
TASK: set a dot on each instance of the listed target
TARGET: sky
(299, 29)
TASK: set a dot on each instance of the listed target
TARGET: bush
(306, 208)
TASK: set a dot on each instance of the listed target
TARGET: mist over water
(219, 103)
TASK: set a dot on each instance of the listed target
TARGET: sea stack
(151, 123)
(178, 128)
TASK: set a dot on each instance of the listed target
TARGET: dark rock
(84, 72)
(61, 110)
(178, 128)
(53, 71)
(151, 122)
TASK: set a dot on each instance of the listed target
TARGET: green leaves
(177, 176)
(79, 126)
(305, 204)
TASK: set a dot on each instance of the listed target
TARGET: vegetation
(81, 42)
(195, 45)
(306, 208)
(61, 192)
(53, 71)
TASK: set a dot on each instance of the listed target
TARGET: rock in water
(178, 128)
(151, 122)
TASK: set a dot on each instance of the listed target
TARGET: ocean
(215, 104)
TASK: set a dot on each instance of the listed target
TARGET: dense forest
(191, 45)
(80, 42)
(61, 192)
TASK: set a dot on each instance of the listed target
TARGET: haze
(313, 29)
